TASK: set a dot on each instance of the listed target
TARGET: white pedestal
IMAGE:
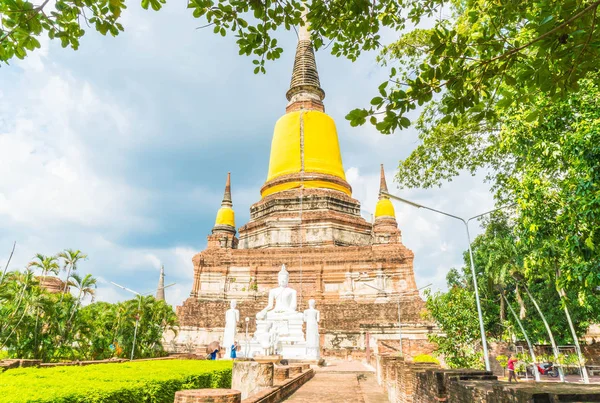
(288, 350)
(291, 341)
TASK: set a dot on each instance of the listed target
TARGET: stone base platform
(284, 388)
(288, 350)
(208, 396)
(266, 382)
(303, 361)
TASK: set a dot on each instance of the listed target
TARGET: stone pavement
(344, 366)
(338, 382)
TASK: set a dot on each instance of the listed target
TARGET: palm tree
(70, 258)
(47, 264)
(86, 286)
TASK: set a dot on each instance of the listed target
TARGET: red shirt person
(511, 369)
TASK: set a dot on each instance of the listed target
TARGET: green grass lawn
(135, 382)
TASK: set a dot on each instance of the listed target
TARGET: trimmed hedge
(131, 382)
(425, 358)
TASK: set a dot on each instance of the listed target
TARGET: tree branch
(35, 11)
(585, 44)
(539, 38)
(8, 262)
(205, 26)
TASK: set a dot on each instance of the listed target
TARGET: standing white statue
(283, 296)
(312, 318)
(232, 317)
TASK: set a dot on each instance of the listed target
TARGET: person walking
(511, 368)
(234, 348)
(212, 349)
(213, 355)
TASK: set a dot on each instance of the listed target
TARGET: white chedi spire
(160, 290)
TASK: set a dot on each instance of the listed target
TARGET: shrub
(425, 358)
(502, 360)
(132, 382)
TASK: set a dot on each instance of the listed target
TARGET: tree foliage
(456, 315)
(499, 259)
(23, 22)
(502, 267)
(550, 167)
(37, 324)
(141, 381)
(465, 59)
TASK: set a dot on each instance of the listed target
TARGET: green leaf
(547, 19)
(532, 116)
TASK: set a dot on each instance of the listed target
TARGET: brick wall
(410, 347)
(408, 382)
(591, 353)
(343, 327)
(335, 315)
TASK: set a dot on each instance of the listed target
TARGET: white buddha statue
(232, 317)
(283, 296)
(280, 319)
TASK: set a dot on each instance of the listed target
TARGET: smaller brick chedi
(357, 271)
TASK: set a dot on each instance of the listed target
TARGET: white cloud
(44, 160)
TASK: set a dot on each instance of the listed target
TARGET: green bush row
(132, 382)
(425, 358)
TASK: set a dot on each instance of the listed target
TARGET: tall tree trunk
(536, 372)
(35, 334)
(552, 342)
(563, 297)
(522, 310)
(75, 307)
(15, 327)
(584, 373)
(22, 294)
(502, 307)
(8, 262)
(66, 283)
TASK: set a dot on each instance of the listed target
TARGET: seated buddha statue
(283, 297)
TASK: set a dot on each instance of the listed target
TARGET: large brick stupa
(307, 219)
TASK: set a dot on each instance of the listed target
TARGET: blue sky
(121, 149)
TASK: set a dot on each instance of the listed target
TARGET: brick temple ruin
(357, 271)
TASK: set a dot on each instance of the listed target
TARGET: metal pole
(536, 373)
(137, 321)
(486, 357)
